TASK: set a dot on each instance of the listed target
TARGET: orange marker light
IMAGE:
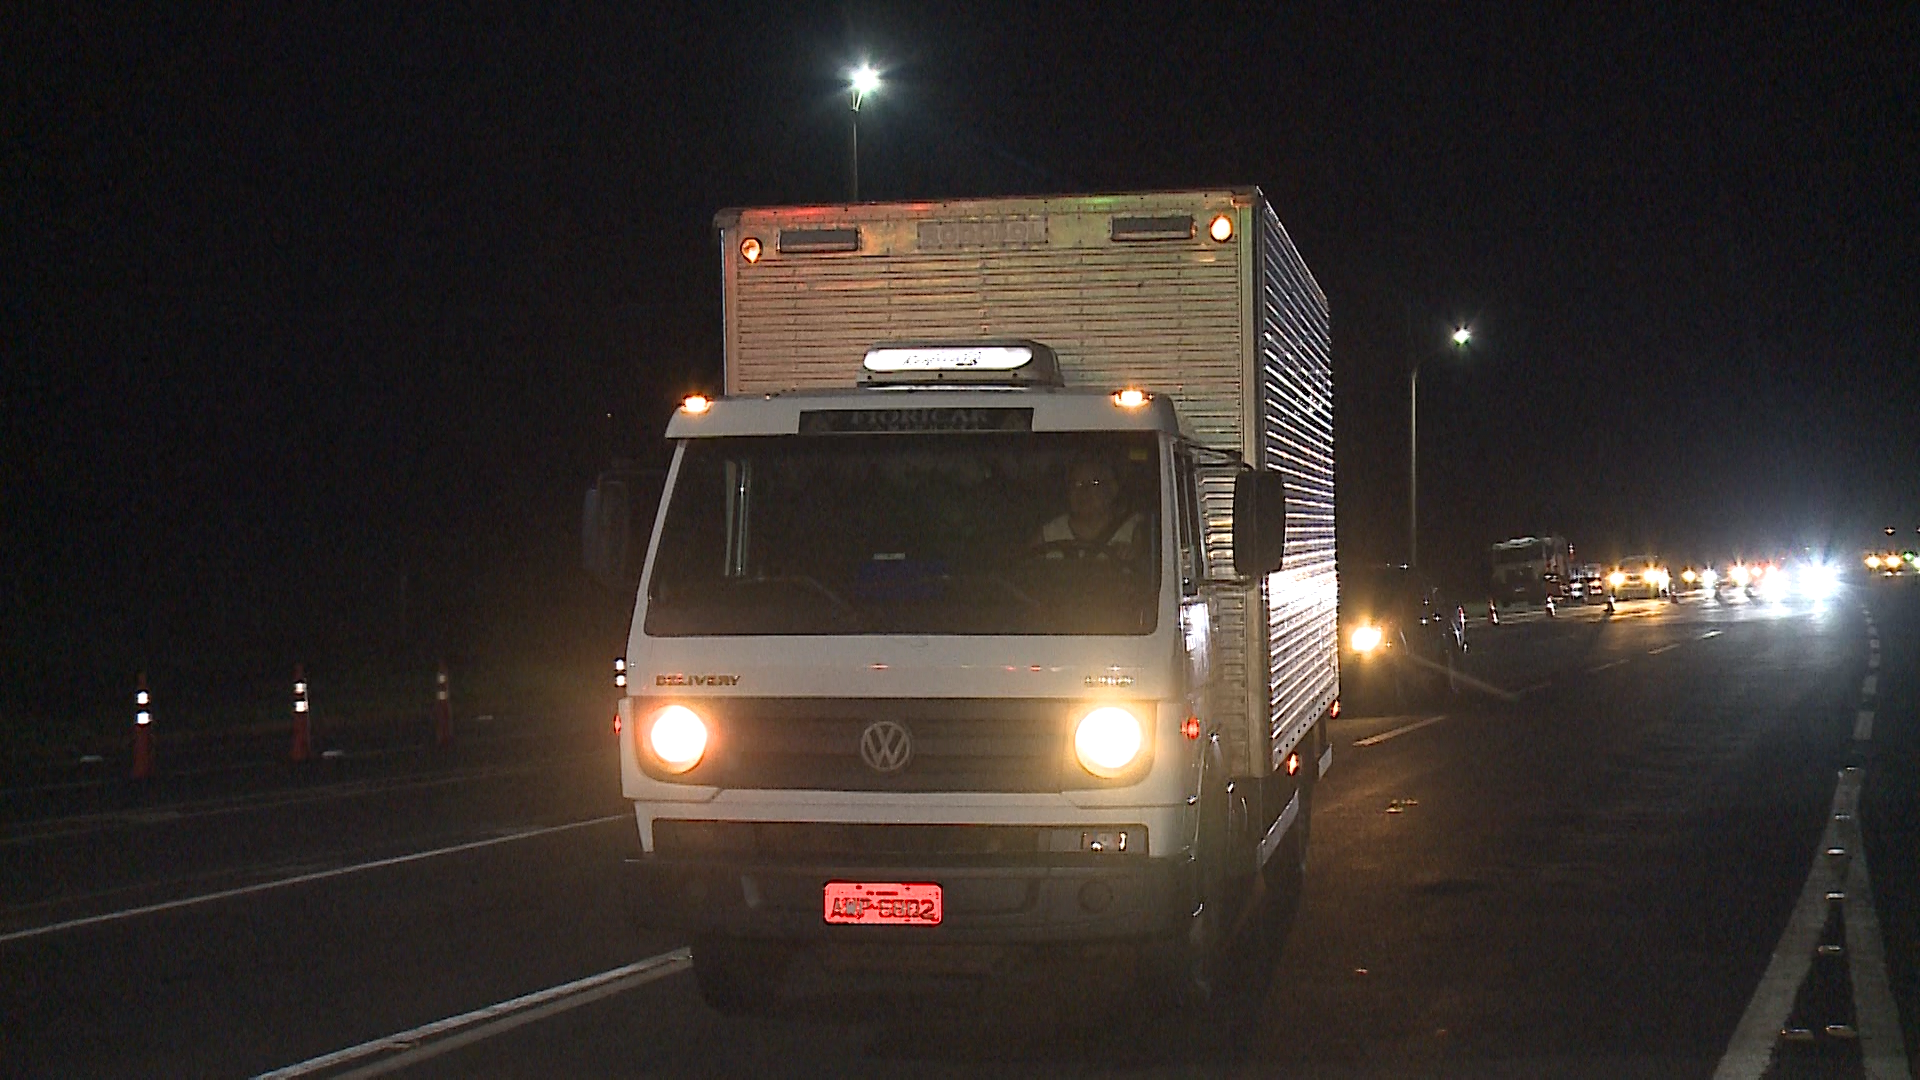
(1221, 229)
(1190, 727)
(696, 404)
(750, 249)
(1130, 398)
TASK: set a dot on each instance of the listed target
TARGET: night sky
(321, 322)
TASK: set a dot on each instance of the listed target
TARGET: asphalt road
(1616, 865)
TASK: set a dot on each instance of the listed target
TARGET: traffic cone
(142, 731)
(442, 711)
(302, 718)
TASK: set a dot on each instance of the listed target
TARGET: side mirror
(619, 502)
(1259, 522)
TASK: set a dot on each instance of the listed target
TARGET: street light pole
(862, 81)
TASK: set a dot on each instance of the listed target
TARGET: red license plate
(883, 903)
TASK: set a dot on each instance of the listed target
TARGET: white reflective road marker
(1710, 633)
(1877, 1022)
(1863, 726)
(1664, 648)
(406, 1046)
(301, 879)
(1376, 740)
(1605, 666)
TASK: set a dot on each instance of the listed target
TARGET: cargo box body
(1197, 295)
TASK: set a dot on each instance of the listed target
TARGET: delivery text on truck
(993, 603)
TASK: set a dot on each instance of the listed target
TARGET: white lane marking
(1376, 740)
(1605, 666)
(1875, 1015)
(1664, 648)
(80, 825)
(299, 879)
(504, 1016)
(1749, 1052)
(1863, 726)
(1873, 661)
(1869, 685)
(1711, 633)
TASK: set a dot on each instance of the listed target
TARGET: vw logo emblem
(886, 747)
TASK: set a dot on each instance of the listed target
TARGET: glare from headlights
(1616, 579)
(1708, 577)
(1740, 575)
(1365, 639)
(1107, 741)
(1689, 576)
(1873, 562)
(1818, 581)
(677, 737)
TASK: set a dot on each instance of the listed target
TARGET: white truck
(1529, 573)
(993, 603)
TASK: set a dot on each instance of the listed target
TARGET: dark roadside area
(111, 772)
(1890, 801)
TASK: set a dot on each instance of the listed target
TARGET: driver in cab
(1095, 524)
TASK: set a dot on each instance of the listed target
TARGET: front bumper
(1067, 899)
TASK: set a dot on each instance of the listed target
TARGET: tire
(739, 978)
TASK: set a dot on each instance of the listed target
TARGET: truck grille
(998, 745)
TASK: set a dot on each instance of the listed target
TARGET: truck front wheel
(739, 977)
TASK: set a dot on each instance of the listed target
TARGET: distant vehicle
(1642, 577)
(1529, 573)
(1588, 584)
(1400, 638)
(1696, 579)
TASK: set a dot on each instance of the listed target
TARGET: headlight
(1616, 579)
(1740, 575)
(1708, 577)
(1107, 741)
(677, 738)
(1365, 639)
(1658, 577)
(1689, 576)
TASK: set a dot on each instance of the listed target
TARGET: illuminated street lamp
(861, 81)
(1461, 337)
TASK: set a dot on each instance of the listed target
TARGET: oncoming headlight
(1616, 579)
(676, 738)
(1365, 639)
(1108, 741)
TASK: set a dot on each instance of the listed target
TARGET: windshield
(1002, 533)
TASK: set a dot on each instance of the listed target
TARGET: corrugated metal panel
(1296, 382)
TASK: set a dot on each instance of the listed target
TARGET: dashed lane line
(1605, 666)
(1664, 648)
(1863, 726)
(300, 879)
(1841, 856)
(1869, 686)
(412, 1047)
(1375, 740)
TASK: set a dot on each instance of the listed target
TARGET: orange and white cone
(142, 731)
(302, 718)
(442, 711)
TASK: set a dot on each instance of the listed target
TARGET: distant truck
(994, 602)
(1529, 573)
